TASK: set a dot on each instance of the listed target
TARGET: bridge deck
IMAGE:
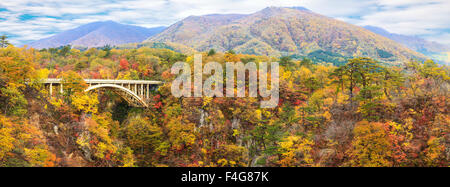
(105, 81)
(135, 92)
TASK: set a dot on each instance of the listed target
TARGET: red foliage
(124, 65)
(158, 105)
(166, 75)
(108, 156)
(280, 102)
(298, 102)
(135, 66)
(95, 75)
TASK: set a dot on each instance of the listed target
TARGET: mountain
(412, 42)
(431, 49)
(280, 31)
(98, 34)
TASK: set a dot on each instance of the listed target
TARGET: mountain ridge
(412, 42)
(98, 34)
(431, 49)
(278, 31)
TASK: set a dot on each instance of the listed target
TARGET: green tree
(307, 63)
(358, 72)
(4, 42)
(231, 52)
(391, 80)
(64, 51)
(211, 52)
(286, 61)
(107, 49)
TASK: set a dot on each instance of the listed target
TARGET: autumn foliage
(362, 113)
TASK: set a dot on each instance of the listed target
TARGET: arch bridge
(135, 92)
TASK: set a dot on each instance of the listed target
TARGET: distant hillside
(284, 31)
(169, 45)
(431, 49)
(98, 34)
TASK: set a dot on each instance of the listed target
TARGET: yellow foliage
(305, 73)
(235, 132)
(97, 137)
(296, 151)
(342, 98)
(101, 149)
(85, 102)
(39, 157)
(434, 152)
(400, 129)
(126, 157)
(371, 147)
(327, 115)
(222, 162)
(286, 75)
(230, 155)
(17, 64)
(26, 139)
(6, 139)
(258, 114)
(42, 73)
(207, 101)
(181, 134)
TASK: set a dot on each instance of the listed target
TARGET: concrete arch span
(125, 93)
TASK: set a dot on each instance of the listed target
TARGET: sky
(28, 20)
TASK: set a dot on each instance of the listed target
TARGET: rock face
(283, 31)
(98, 34)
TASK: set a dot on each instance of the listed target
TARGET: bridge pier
(148, 90)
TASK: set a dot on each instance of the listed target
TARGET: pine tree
(211, 52)
(4, 42)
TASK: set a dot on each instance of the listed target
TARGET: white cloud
(416, 18)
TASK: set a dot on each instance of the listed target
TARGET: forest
(362, 113)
